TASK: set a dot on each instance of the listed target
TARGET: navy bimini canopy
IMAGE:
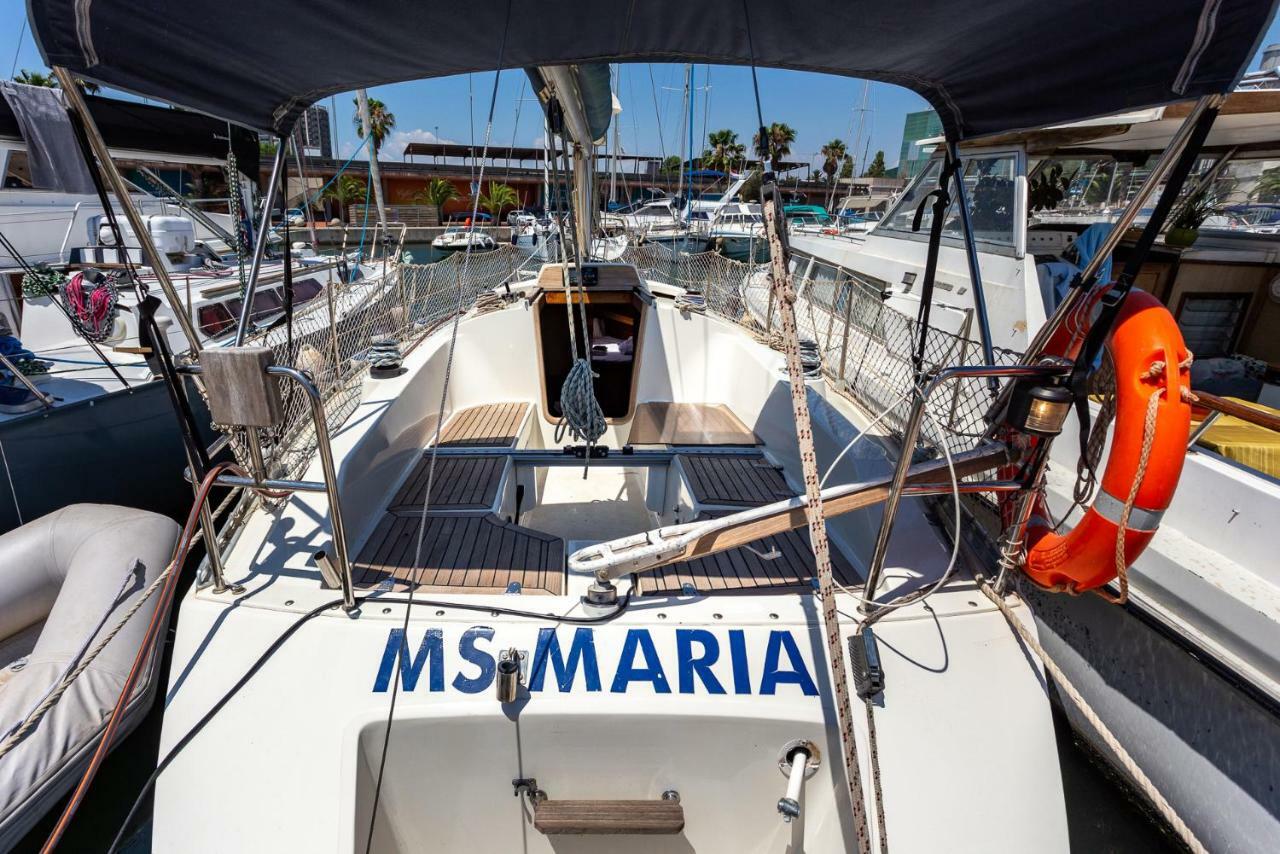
(987, 67)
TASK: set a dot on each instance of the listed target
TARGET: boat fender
(1152, 425)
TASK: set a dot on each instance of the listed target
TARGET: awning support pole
(260, 245)
(75, 101)
(971, 254)
(1158, 173)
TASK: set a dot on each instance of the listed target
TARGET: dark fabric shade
(142, 127)
(986, 67)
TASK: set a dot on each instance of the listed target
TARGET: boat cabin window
(17, 173)
(216, 319)
(305, 290)
(989, 181)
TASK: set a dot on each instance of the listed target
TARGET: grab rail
(22, 378)
(1223, 406)
(329, 485)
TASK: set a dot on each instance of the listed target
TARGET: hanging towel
(1088, 244)
(53, 154)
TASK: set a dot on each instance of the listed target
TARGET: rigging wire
(293, 628)
(17, 50)
(657, 113)
(435, 444)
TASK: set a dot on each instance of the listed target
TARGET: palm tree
(346, 191)
(38, 78)
(725, 151)
(832, 154)
(499, 197)
(381, 122)
(438, 192)
(1268, 187)
(780, 135)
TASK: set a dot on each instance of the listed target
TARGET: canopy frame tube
(971, 255)
(76, 103)
(260, 246)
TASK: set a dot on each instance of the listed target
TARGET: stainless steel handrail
(22, 378)
(329, 486)
(911, 434)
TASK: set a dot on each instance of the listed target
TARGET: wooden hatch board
(460, 483)
(492, 425)
(667, 423)
(475, 553)
(734, 479)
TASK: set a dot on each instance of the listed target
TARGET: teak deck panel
(477, 553)
(665, 423)
(734, 480)
(742, 570)
(493, 425)
(460, 483)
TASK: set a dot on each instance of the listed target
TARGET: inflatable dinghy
(66, 580)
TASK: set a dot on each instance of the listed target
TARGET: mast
(362, 99)
(690, 93)
(617, 139)
(857, 137)
(688, 70)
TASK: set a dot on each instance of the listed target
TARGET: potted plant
(1185, 226)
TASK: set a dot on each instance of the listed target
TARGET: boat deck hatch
(614, 321)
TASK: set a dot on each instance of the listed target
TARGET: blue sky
(819, 107)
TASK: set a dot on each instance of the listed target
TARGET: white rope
(814, 511)
(84, 645)
(51, 699)
(1064, 684)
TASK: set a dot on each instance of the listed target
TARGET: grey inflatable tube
(70, 576)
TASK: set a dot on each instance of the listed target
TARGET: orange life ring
(1150, 360)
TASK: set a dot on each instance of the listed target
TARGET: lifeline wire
(435, 444)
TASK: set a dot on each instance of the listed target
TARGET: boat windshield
(1244, 195)
(991, 190)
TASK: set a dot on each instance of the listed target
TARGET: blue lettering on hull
(567, 662)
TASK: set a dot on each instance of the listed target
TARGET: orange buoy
(1153, 381)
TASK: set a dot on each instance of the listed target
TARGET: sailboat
(566, 575)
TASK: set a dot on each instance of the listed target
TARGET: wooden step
(597, 818)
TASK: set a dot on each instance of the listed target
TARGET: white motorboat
(430, 623)
(1204, 610)
(455, 238)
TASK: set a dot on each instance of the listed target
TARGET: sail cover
(986, 67)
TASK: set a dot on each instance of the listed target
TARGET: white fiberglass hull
(697, 694)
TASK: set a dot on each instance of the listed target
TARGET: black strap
(941, 203)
